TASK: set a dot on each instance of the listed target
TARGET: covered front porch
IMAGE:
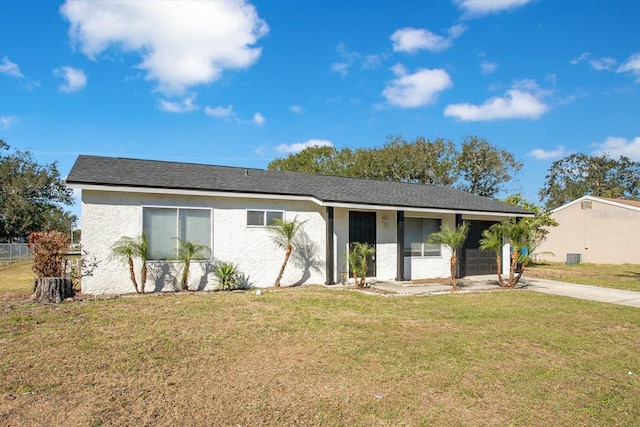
(399, 238)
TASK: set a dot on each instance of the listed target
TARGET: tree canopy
(485, 168)
(31, 196)
(540, 225)
(579, 175)
(478, 167)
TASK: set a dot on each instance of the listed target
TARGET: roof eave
(77, 185)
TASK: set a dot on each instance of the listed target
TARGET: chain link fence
(12, 252)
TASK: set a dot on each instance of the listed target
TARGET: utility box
(574, 258)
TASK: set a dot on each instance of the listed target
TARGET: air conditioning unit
(574, 258)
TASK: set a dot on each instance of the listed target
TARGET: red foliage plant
(49, 249)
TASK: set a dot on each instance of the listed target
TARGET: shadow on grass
(630, 274)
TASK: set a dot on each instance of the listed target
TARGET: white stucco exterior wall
(385, 245)
(386, 254)
(431, 267)
(107, 216)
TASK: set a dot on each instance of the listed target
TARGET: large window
(163, 225)
(257, 218)
(416, 234)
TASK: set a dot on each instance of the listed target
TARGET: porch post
(462, 255)
(400, 245)
(329, 279)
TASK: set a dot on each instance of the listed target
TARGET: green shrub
(228, 276)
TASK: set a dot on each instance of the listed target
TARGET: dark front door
(475, 261)
(362, 228)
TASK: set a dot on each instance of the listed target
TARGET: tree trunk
(454, 260)
(514, 262)
(184, 285)
(143, 276)
(52, 290)
(499, 262)
(287, 254)
(519, 276)
(132, 273)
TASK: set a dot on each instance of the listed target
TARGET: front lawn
(311, 356)
(625, 276)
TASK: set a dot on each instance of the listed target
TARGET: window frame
(265, 216)
(177, 230)
(424, 248)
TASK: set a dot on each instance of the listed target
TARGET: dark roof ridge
(162, 174)
(261, 170)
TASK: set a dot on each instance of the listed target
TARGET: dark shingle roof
(109, 171)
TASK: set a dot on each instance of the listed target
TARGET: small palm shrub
(358, 262)
(188, 251)
(228, 276)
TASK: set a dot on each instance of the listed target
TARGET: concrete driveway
(572, 290)
(490, 283)
(588, 292)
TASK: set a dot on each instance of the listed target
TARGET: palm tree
(283, 234)
(358, 256)
(128, 248)
(523, 238)
(186, 252)
(492, 241)
(452, 238)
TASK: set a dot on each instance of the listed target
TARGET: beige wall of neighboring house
(603, 231)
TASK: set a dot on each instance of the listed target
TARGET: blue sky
(241, 83)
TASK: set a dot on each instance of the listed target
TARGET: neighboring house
(596, 230)
(228, 209)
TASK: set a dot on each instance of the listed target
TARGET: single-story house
(229, 209)
(594, 229)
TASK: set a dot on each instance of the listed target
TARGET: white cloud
(9, 68)
(488, 67)
(475, 8)
(182, 43)
(297, 109)
(348, 57)
(7, 121)
(259, 119)
(74, 79)
(523, 101)
(598, 64)
(583, 57)
(417, 89)
(601, 64)
(341, 68)
(185, 106)
(541, 154)
(220, 112)
(371, 62)
(414, 39)
(299, 146)
(616, 147)
(632, 65)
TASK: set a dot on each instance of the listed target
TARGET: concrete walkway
(490, 283)
(588, 292)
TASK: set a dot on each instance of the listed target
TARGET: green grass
(310, 356)
(625, 276)
(16, 277)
